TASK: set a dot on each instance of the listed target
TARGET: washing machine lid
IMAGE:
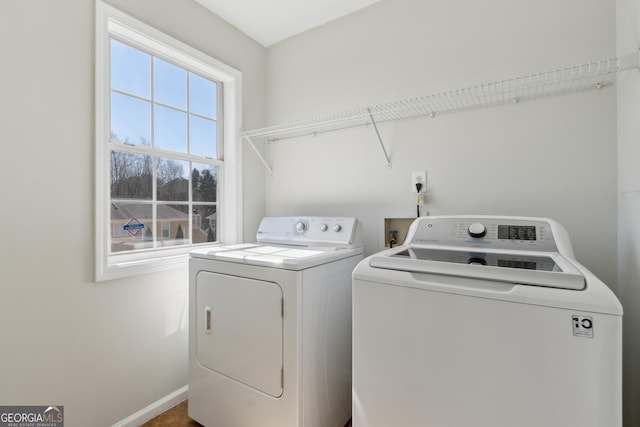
(526, 268)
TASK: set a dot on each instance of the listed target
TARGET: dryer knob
(324, 227)
(477, 230)
(337, 228)
(301, 227)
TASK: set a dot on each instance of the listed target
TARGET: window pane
(130, 70)
(204, 223)
(131, 226)
(202, 136)
(172, 180)
(170, 84)
(202, 96)
(170, 129)
(204, 182)
(131, 176)
(175, 226)
(130, 119)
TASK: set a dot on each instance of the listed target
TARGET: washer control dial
(324, 227)
(477, 230)
(337, 228)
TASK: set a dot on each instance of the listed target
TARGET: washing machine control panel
(490, 232)
(307, 230)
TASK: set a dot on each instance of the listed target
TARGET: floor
(174, 417)
(177, 417)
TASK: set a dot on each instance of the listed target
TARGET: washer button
(477, 230)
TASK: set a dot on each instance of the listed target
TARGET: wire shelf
(593, 75)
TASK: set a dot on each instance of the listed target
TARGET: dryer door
(239, 329)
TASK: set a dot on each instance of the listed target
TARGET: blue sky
(186, 120)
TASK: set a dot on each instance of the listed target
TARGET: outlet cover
(419, 177)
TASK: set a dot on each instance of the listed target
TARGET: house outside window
(166, 159)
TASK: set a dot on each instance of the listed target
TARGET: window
(160, 114)
(167, 165)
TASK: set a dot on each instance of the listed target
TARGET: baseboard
(155, 409)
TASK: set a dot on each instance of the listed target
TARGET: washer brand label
(582, 326)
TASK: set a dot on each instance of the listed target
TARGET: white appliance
(270, 326)
(484, 322)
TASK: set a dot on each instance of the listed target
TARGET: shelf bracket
(264, 162)
(629, 62)
(384, 150)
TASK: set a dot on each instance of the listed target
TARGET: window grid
(113, 24)
(219, 87)
(157, 153)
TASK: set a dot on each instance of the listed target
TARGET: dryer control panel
(316, 230)
(507, 233)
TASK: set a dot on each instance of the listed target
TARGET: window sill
(122, 269)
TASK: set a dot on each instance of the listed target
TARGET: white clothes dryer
(270, 326)
(484, 322)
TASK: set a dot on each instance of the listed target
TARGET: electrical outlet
(421, 178)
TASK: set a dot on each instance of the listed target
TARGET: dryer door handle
(207, 320)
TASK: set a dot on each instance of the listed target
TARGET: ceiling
(271, 21)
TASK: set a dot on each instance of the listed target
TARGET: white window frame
(112, 22)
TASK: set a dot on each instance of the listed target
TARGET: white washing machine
(484, 322)
(270, 326)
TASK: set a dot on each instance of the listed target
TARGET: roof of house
(141, 212)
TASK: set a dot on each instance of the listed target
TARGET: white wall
(553, 158)
(628, 41)
(105, 350)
